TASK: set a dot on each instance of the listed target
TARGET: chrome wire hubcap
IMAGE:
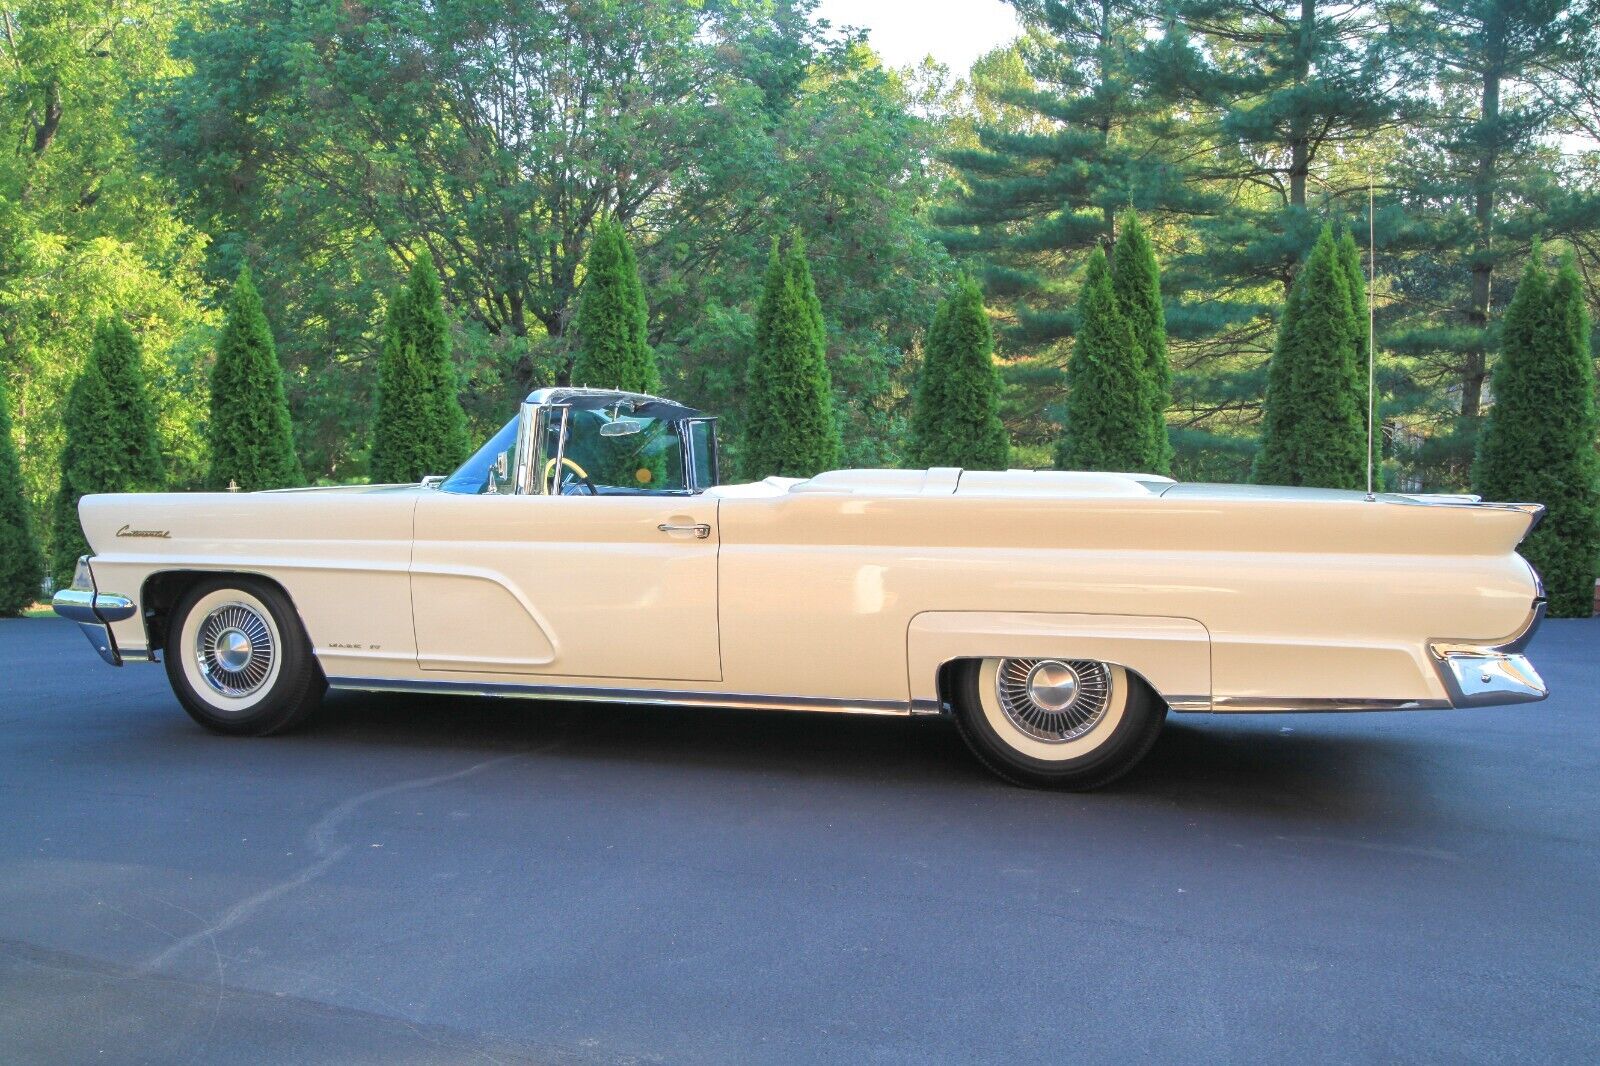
(1053, 700)
(234, 649)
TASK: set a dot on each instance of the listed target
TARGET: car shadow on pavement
(1199, 763)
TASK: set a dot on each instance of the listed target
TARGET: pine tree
(21, 563)
(1538, 441)
(1315, 425)
(112, 441)
(1031, 198)
(421, 428)
(252, 439)
(790, 429)
(612, 350)
(956, 421)
(1108, 412)
(1478, 179)
(1136, 280)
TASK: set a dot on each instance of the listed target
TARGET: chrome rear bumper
(1484, 675)
(94, 611)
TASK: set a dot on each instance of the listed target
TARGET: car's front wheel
(239, 659)
(1055, 723)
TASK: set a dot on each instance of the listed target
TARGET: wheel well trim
(1171, 656)
(154, 608)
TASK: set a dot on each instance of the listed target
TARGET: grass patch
(39, 610)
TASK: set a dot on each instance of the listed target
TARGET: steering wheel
(549, 468)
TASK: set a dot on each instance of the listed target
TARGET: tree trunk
(1475, 368)
(1299, 137)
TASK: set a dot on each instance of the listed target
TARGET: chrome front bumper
(1486, 675)
(94, 611)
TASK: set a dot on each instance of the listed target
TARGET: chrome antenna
(1372, 278)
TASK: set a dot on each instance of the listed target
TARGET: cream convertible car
(587, 552)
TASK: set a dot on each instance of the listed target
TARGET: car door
(571, 587)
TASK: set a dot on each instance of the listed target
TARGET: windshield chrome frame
(536, 420)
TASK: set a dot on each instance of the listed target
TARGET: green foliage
(1108, 412)
(956, 421)
(420, 428)
(613, 352)
(1538, 442)
(1315, 424)
(1136, 280)
(252, 440)
(21, 563)
(112, 444)
(790, 429)
(86, 230)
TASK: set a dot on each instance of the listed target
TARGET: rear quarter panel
(1300, 599)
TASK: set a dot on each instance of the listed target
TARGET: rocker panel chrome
(657, 697)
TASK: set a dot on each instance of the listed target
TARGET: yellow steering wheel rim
(550, 466)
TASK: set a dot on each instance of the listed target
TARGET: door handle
(700, 530)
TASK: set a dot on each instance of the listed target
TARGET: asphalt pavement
(418, 880)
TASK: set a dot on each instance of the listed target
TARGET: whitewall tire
(1055, 723)
(238, 658)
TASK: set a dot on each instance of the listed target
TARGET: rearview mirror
(622, 427)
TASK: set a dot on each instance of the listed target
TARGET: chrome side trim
(1318, 704)
(920, 707)
(1188, 704)
(655, 697)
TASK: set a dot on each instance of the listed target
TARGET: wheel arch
(164, 589)
(1170, 656)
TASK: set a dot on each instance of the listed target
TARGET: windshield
(490, 470)
(621, 453)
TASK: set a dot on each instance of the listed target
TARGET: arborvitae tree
(612, 350)
(21, 563)
(421, 428)
(1315, 427)
(1538, 442)
(790, 429)
(252, 440)
(1136, 279)
(1108, 411)
(956, 421)
(112, 442)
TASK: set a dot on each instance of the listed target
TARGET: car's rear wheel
(1055, 723)
(239, 659)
